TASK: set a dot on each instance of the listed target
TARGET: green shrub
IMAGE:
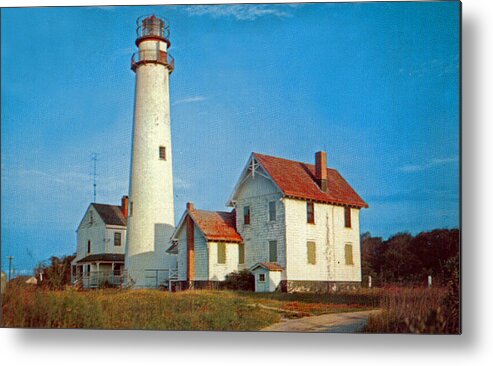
(243, 280)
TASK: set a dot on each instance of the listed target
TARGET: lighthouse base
(150, 270)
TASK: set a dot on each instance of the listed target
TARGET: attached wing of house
(208, 246)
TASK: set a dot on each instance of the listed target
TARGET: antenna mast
(10, 266)
(94, 159)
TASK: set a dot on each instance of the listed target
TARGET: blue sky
(376, 85)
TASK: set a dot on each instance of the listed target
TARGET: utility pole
(94, 159)
(10, 266)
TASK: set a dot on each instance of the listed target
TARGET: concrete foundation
(318, 286)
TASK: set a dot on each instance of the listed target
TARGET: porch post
(98, 276)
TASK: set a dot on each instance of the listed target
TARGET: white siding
(95, 232)
(344, 236)
(201, 255)
(218, 271)
(110, 240)
(330, 236)
(257, 192)
(182, 255)
(274, 280)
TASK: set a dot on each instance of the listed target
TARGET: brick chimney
(321, 170)
(190, 246)
(124, 206)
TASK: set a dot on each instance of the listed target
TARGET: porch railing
(98, 279)
(155, 278)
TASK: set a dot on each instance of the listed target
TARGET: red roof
(271, 266)
(297, 180)
(217, 225)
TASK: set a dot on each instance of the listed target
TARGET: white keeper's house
(294, 225)
(101, 239)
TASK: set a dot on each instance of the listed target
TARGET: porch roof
(103, 257)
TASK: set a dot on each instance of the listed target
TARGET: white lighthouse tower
(151, 218)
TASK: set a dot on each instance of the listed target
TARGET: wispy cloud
(414, 195)
(195, 99)
(181, 183)
(411, 168)
(239, 12)
(435, 67)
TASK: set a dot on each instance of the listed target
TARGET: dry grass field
(151, 309)
(418, 310)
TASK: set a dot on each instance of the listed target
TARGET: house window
(91, 218)
(272, 251)
(261, 277)
(131, 209)
(348, 253)
(241, 254)
(162, 152)
(347, 216)
(310, 213)
(221, 253)
(117, 239)
(311, 248)
(246, 215)
(272, 211)
(88, 268)
(88, 246)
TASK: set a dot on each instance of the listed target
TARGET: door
(262, 282)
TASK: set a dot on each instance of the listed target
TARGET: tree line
(408, 259)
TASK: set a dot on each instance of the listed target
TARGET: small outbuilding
(32, 281)
(267, 276)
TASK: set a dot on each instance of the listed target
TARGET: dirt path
(328, 323)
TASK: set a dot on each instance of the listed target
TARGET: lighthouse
(151, 211)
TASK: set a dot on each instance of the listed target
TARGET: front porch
(99, 270)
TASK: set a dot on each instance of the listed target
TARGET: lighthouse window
(162, 152)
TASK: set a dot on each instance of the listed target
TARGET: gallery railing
(152, 56)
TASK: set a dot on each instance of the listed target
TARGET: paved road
(328, 323)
